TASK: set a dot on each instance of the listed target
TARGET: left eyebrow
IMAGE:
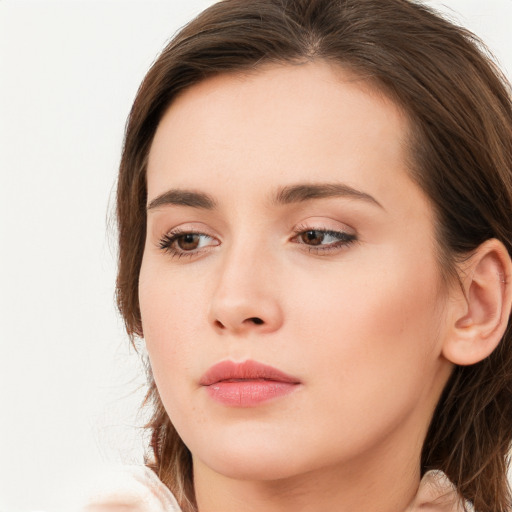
(304, 192)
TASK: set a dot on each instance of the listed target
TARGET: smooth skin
(249, 255)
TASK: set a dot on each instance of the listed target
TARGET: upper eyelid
(299, 228)
(180, 230)
(349, 237)
(167, 240)
(318, 226)
(174, 234)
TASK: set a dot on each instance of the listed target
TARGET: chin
(252, 467)
(246, 457)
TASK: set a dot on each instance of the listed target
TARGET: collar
(138, 489)
(437, 494)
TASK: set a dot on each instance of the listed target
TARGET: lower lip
(248, 393)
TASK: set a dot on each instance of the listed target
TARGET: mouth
(246, 384)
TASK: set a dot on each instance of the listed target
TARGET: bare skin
(342, 280)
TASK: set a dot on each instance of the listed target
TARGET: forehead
(279, 124)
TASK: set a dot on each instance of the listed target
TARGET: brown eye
(188, 241)
(321, 240)
(312, 237)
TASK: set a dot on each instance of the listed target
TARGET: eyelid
(346, 237)
(324, 224)
(166, 241)
(344, 234)
(187, 227)
(327, 226)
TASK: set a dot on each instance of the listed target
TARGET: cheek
(373, 329)
(168, 310)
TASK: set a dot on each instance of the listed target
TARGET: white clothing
(138, 489)
(131, 489)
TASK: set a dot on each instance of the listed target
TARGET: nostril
(254, 320)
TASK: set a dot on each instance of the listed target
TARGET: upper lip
(246, 370)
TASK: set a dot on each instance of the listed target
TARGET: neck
(369, 485)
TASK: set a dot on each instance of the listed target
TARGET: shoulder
(130, 489)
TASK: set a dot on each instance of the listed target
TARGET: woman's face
(284, 230)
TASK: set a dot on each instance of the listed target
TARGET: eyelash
(167, 242)
(344, 239)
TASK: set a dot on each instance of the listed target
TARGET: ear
(480, 312)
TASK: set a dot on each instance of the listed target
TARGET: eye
(319, 240)
(186, 243)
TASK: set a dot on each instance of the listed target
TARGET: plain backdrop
(70, 385)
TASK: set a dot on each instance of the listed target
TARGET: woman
(314, 209)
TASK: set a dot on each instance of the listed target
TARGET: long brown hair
(459, 106)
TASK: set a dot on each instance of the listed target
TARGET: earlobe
(480, 316)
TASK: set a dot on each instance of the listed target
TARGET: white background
(70, 386)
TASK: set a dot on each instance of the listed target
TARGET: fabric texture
(138, 489)
(130, 489)
(437, 494)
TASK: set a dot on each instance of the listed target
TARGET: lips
(246, 384)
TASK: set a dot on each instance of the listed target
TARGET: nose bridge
(245, 297)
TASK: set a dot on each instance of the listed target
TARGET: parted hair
(460, 143)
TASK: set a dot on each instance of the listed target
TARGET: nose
(246, 299)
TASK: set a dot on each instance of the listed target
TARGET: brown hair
(459, 106)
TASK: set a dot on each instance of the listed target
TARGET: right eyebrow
(183, 198)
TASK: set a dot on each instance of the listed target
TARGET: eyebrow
(305, 192)
(183, 198)
(290, 194)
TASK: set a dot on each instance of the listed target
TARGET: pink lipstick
(246, 384)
